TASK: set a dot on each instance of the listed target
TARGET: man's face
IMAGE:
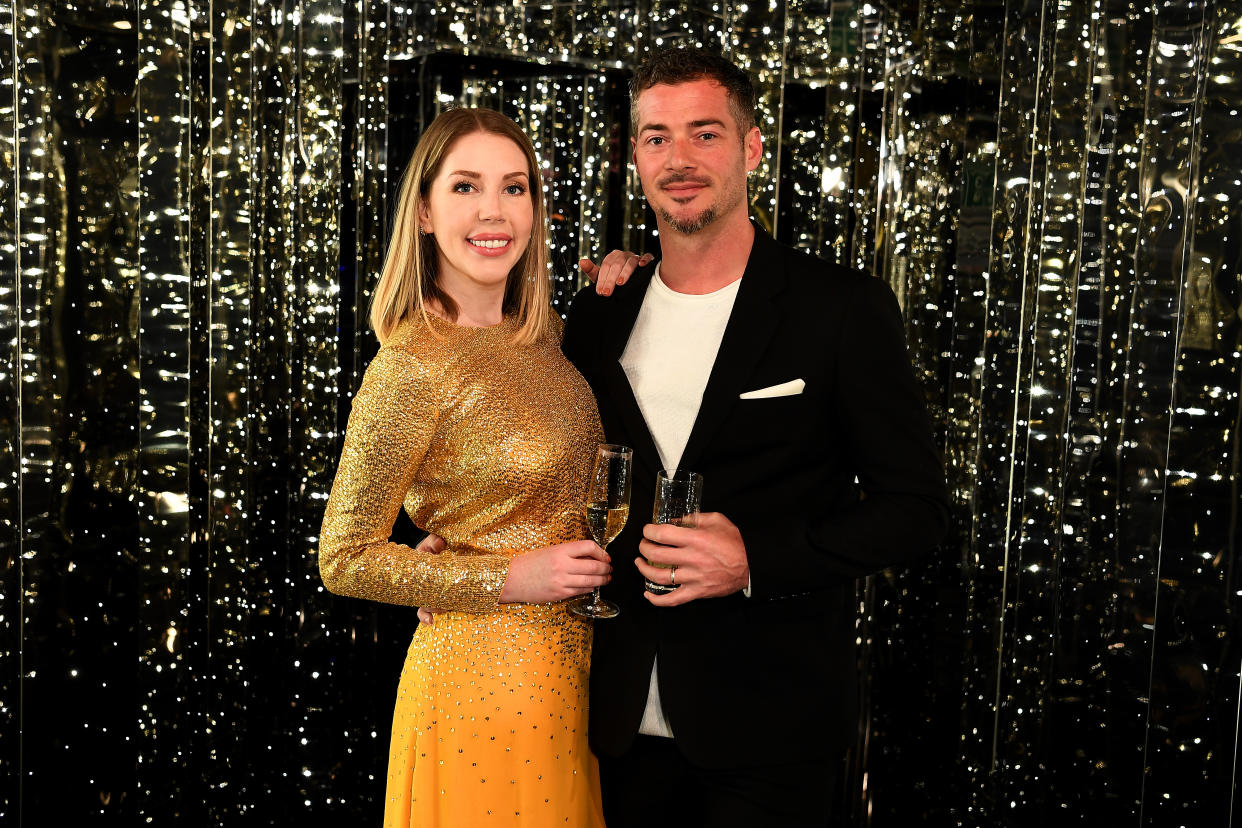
(690, 154)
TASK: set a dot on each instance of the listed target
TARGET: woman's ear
(424, 218)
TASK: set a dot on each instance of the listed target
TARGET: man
(728, 697)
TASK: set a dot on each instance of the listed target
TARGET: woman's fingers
(589, 268)
(588, 559)
(614, 270)
(554, 573)
(631, 263)
(590, 567)
(587, 567)
(583, 584)
(609, 271)
(584, 550)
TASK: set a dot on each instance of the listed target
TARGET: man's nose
(678, 158)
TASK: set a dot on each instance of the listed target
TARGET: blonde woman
(471, 417)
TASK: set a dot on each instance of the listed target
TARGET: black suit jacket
(825, 486)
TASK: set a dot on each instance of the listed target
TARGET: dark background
(195, 206)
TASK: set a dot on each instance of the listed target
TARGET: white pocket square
(785, 389)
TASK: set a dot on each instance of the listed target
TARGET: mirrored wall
(194, 200)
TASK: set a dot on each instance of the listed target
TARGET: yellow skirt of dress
(490, 723)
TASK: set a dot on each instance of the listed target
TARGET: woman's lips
(490, 246)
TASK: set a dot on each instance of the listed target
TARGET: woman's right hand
(555, 573)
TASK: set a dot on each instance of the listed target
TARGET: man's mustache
(681, 178)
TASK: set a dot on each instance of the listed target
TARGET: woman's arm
(393, 419)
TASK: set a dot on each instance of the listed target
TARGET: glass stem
(595, 592)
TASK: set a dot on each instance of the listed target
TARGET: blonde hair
(409, 279)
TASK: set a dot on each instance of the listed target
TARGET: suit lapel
(751, 325)
(620, 322)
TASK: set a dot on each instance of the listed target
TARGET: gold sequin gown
(489, 445)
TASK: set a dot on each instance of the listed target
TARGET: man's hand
(432, 543)
(710, 558)
(614, 270)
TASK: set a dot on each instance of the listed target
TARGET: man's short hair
(675, 65)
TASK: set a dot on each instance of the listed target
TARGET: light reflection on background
(194, 205)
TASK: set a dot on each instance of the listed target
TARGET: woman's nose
(489, 206)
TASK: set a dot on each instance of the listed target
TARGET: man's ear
(754, 148)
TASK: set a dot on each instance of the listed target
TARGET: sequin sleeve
(392, 424)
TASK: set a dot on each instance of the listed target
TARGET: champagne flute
(607, 507)
(677, 497)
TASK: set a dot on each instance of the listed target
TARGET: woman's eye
(516, 189)
(463, 187)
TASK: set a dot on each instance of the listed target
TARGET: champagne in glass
(606, 523)
(607, 507)
(678, 496)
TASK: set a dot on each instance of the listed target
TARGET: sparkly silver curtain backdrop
(194, 200)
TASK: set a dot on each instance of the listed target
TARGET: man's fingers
(654, 553)
(667, 556)
(432, 543)
(679, 596)
(710, 520)
(668, 534)
(658, 574)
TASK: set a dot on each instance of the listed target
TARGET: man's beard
(688, 226)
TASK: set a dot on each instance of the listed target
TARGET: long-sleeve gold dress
(489, 445)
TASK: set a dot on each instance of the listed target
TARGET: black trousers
(654, 785)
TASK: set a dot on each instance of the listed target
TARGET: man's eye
(707, 136)
(655, 140)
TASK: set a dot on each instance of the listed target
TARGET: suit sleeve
(902, 510)
(573, 338)
(390, 428)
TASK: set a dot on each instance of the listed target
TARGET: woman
(470, 416)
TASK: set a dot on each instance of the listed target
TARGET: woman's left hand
(614, 270)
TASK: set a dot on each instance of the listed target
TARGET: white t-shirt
(668, 360)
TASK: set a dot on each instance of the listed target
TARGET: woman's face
(480, 212)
